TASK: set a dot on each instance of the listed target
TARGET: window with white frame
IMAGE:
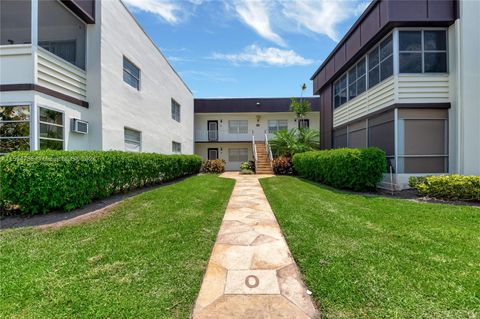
(175, 110)
(132, 140)
(422, 51)
(238, 154)
(380, 62)
(51, 129)
(277, 125)
(238, 126)
(131, 74)
(176, 148)
(14, 128)
(357, 79)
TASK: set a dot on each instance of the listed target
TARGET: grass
(145, 259)
(375, 257)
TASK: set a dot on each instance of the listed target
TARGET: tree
(300, 107)
(287, 143)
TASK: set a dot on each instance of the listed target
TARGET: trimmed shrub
(40, 181)
(448, 187)
(358, 169)
(248, 166)
(283, 166)
(213, 166)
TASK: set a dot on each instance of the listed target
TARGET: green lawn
(375, 257)
(146, 259)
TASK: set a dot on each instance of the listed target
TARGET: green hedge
(449, 187)
(40, 181)
(346, 168)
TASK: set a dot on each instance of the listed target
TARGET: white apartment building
(83, 75)
(229, 129)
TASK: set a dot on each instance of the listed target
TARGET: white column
(34, 36)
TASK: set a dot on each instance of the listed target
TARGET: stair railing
(254, 149)
(268, 149)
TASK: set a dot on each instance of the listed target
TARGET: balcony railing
(221, 136)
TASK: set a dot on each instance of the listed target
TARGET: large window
(14, 128)
(131, 74)
(176, 148)
(175, 110)
(423, 51)
(277, 125)
(15, 22)
(372, 69)
(133, 140)
(51, 129)
(61, 33)
(238, 154)
(238, 126)
(380, 62)
(357, 79)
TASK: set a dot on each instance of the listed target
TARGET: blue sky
(249, 48)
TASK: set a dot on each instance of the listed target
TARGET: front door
(212, 154)
(212, 130)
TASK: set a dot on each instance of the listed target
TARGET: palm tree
(287, 143)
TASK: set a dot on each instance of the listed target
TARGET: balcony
(49, 53)
(204, 136)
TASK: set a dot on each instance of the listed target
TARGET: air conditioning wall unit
(79, 126)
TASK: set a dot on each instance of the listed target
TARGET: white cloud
(167, 10)
(321, 16)
(256, 14)
(271, 56)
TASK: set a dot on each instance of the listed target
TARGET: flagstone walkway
(251, 273)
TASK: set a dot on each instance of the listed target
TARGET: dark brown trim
(397, 106)
(380, 17)
(44, 90)
(249, 105)
(84, 9)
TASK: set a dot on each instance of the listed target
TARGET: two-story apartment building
(406, 78)
(82, 74)
(229, 129)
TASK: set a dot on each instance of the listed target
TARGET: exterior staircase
(262, 164)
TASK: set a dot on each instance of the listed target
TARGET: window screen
(175, 111)
(131, 74)
(133, 141)
(238, 126)
(51, 129)
(14, 128)
(176, 148)
(238, 154)
(277, 125)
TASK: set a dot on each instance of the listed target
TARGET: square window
(435, 40)
(410, 40)
(14, 128)
(132, 140)
(410, 62)
(435, 62)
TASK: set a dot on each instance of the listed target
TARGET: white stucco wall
(468, 86)
(149, 109)
(201, 120)
(202, 150)
(72, 141)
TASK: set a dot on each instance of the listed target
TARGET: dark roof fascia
(80, 12)
(248, 105)
(346, 36)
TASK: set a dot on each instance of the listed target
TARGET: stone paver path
(251, 273)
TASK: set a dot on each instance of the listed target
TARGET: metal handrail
(254, 149)
(268, 149)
